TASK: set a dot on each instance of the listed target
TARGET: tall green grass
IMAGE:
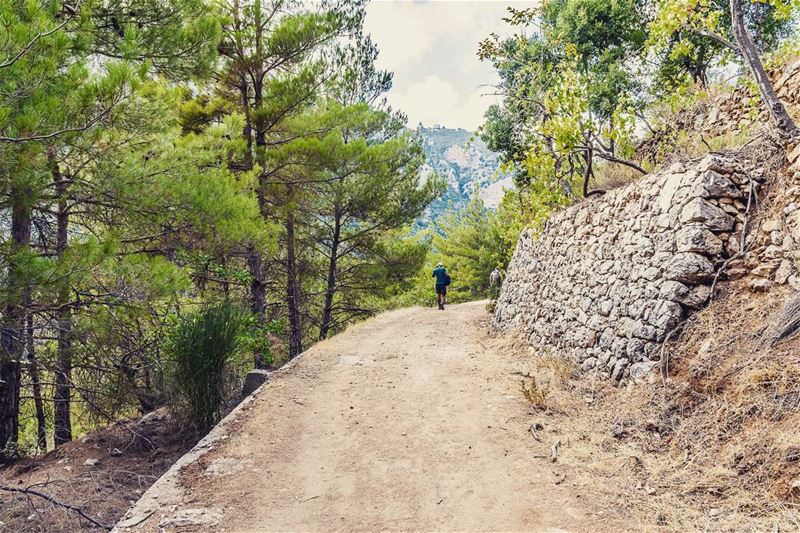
(204, 348)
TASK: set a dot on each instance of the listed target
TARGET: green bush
(204, 348)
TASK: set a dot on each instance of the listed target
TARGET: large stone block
(692, 297)
(698, 239)
(253, 380)
(689, 268)
(712, 184)
(700, 210)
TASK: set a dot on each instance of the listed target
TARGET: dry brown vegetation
(609, 176)
(130, 456)
(715, 448)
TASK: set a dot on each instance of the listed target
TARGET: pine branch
(27, 48)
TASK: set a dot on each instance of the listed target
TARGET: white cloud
(431, 47)
(389, 24)
(436, 101)
(428, 101)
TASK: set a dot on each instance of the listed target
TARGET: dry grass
(717, 449)
(549, 370)
(740, 402)
(556, 368)
(535, 393)
(609, 176)
(130, 456)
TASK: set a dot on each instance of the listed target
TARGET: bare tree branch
(716, 38)
(54, 501)
(54, 134)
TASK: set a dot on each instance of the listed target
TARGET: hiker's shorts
(441, 288)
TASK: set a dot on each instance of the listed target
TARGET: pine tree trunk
(13, 332)
(292, 303)
(749, 52)
(247, 131)
(36, 386)
(244, 94)
(330, 288)
(62, 420)
(258, 306)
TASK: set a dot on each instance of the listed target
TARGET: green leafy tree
(607, 37)
(68, 76)
(366, 184)
(48, 97)
(570, 93)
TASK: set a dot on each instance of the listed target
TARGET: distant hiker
(442, 281)
(495, 281)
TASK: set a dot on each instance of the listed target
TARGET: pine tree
(53, 101)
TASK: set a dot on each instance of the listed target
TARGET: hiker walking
(495, 281)
(442, 281)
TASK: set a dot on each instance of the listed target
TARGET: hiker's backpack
(446, 280)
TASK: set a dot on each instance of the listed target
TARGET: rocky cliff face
(608, 279)
(466, 164)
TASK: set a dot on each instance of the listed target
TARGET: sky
(431, 47)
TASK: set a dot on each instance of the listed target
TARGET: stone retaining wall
(606, 280)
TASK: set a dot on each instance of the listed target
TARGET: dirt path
(409, 421)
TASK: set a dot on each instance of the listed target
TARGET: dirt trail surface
(409, 421)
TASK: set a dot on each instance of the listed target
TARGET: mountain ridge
(466, 163)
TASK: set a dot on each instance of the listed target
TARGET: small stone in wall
(667, 315)
(784, 272)
(715, 185)
(634, 350)
(698, 239)
(765, 270)
(733, 274)
(644, 331)
(771, 225)
(619, 369)
(643, 372)
(772, 252)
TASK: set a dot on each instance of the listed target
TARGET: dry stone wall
(740, 107)
(606, 280)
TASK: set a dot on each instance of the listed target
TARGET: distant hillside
(466, 163)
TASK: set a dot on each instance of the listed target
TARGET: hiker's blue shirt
(440, 273)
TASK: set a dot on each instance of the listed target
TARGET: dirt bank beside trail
(409, 421)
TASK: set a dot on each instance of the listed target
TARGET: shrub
(535, 393)
(203, 349)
